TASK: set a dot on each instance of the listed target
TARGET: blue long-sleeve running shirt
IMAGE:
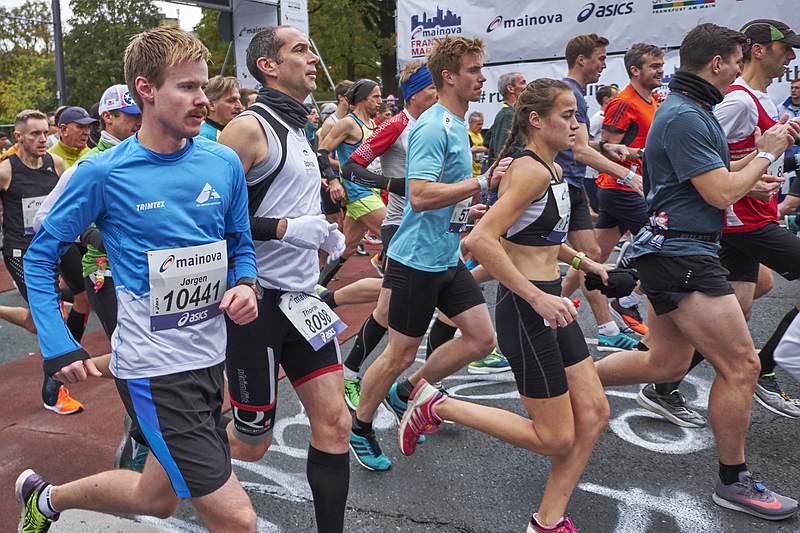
(173, 225)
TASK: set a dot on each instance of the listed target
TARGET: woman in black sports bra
(520, 242)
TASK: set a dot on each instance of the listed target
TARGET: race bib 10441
(186, 284)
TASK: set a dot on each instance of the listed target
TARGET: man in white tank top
(295, 329)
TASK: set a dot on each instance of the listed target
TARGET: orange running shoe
(66, 404)
(629, 316)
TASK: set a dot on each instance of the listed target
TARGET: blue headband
(418, 81)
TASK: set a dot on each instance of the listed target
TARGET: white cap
(118, 97)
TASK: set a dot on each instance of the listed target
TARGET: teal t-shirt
(208, 131)
(438, 150)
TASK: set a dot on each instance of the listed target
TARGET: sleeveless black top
(29, 187)
(545, 221)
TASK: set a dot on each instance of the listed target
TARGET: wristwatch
(600, 144)
(640, 153)
(253, 284)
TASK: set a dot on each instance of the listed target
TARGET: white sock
(609, 329)
(536, 518)
(44, 504)
(349, 374)
(632, 300)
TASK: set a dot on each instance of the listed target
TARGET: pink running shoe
(565, 526)
(420, 416)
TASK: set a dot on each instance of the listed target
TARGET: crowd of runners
(206, 222)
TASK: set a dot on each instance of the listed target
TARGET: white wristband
(483, 181)
(768, 156)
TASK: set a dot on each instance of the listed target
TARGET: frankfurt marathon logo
(672, 6)
(501, 23)
(604, 10)
(424, 29)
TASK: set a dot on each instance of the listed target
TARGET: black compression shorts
(538, 354)
(416, 294)
(252, 357)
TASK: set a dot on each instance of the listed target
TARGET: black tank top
(545, 221)
(29, 187)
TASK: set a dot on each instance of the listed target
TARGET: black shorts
(103, 303)
(179, 417)
(667, 280)
(416, 294)
(579, 217)
(15, 268)
(329, 207)
(794, 188)
(537, 353)
(772, 246)
(71, 269)
(590, 188)
(387, 233)
(254, 352)
(626, 210)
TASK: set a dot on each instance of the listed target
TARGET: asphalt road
(645, 475)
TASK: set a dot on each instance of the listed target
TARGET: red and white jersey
(743, 109)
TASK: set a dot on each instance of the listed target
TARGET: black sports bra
(545, 221)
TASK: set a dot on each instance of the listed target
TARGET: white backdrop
(614, 73)
(250, 17)
(539, 29)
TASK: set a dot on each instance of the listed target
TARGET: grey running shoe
(748, 495)
(769, 394)
(671, 406)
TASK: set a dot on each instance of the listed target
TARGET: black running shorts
(416, 294)
(579, 217)
(329, 207)
(667, 280)
(71, 269)
(254, 352)
(103, 303)
(537, 353)
(14, 265)
(626, 210)
(387, 233)
(179, 417)
(771, 246)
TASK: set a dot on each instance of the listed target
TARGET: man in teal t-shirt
(424, 270)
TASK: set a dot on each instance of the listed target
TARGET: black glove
(621, 282)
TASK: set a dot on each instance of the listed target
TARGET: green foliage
(94, 47)
(356, 39)
(26, 59)
(206, 31)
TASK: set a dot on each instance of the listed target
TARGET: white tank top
(295, 192)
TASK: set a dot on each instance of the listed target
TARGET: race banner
(491, 101)
(250, 18)
(540, 29)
